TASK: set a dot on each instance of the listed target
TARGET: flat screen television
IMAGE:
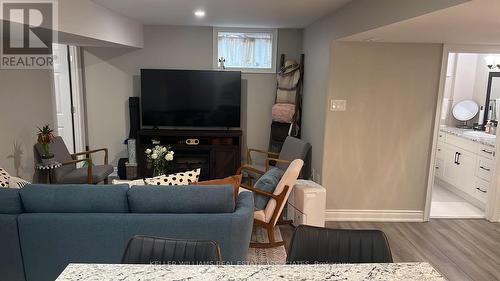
(190, 98)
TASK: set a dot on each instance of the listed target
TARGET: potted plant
(159, 159)
(45, 138)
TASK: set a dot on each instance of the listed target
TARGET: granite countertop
(387, 271)
(459, 132)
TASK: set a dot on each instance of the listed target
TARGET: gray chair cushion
(257, 167)
(182, 199)
(295, 148)
(41, 198)
(99, 173)
(267, 182)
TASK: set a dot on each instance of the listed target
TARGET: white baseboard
(375, 215)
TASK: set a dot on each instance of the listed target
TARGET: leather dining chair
(156, 250)
(323, 245)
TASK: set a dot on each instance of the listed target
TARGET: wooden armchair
(270, 158)
(69, 173)
(271, 215)
(293, 148)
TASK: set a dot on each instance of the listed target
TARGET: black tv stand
(218, 153)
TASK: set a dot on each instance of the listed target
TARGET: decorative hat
(290, 66)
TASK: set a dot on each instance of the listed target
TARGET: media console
(218, 152)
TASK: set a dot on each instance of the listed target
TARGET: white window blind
(246, 50)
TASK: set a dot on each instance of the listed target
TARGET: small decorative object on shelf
(159, 159)
(222, 62)
(45, 137)
(132, 159)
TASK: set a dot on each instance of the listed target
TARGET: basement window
(247, 50)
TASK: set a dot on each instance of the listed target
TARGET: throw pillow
(4, 178)
(235, 181)
(267, 182)
(184, 178)
(15, 182)
(130, 182)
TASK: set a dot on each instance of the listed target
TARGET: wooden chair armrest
(77, 161)
(249, 169)
(262, 192)
(268, 161)
(89, 167)
(250, 150)
(106, 153)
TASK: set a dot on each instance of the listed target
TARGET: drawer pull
(486, 151)
(483, 191)
(439, 149)
(437, 167)
(486, 169)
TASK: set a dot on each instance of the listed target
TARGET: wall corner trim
(374, 215)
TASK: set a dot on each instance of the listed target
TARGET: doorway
(68, 97)
(462, 180)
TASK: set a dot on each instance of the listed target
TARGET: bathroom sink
(478, 134)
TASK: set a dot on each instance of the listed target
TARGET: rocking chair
(272, 214)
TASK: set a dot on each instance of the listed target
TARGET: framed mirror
(492, 103)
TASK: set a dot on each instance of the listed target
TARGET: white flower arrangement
(159, 159)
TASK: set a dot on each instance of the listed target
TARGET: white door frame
(493, 204)
(79, 119)
(78, 116)
(63, 96)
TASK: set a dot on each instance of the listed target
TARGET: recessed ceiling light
(199, 13)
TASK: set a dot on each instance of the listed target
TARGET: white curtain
(245, 50)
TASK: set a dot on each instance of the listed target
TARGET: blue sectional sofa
(43, 228)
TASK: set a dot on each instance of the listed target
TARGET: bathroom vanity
(465, 163)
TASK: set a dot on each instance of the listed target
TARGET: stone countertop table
(459, 132)
(374, 271)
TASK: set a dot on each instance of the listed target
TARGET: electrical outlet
(338, 105)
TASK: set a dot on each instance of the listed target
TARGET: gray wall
(85, 22)
(26, 102)
(26, 95)
(357, 16)
(377, 152)
(112, 75)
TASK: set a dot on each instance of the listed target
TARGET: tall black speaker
(135, 118)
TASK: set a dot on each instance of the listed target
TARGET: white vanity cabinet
(465, 165)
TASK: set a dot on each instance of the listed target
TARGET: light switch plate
(338, 105)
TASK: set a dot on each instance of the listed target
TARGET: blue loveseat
(43, 228)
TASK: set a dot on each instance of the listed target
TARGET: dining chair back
(312, 244)
(155, 250)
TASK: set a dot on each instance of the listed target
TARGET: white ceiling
(238, 13)
(475, 22)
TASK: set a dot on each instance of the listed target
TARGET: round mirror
(465, 110)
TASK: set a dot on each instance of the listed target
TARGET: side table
(48, 169)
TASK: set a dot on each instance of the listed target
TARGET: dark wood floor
(459, 249)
